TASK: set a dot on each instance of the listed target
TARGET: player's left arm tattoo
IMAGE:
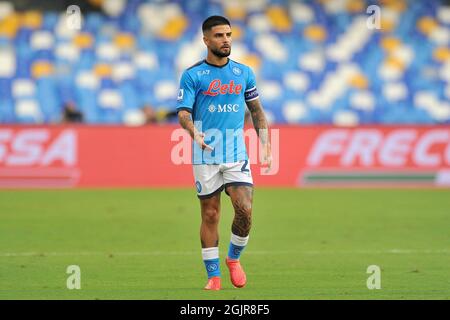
(259, 120)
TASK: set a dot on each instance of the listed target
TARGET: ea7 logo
(203, 72)
(32, 147)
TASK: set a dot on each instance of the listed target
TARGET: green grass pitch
(304, 244)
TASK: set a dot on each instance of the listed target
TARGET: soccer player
(211, 107)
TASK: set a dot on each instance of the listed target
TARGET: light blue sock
(211, 260)
(237, 245)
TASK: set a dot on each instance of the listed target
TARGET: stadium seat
(28, 111)
(133, 117)
(8, 63)
(315, 61)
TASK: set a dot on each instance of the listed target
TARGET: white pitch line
(190, 253)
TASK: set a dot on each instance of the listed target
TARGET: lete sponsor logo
(216, 87)
(37, 147)
(395, 148)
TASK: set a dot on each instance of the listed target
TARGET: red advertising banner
(158, 156)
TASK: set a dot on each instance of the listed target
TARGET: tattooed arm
(185, 120)
(262, 129)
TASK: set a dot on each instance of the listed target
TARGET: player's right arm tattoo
(185, 120)
(259, 120)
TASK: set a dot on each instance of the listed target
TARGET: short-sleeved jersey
(216, 97)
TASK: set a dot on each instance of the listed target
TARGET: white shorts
(213, 178)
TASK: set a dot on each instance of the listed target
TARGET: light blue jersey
(216, 97)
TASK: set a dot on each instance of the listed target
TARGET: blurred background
(359, 90)
(316, 62)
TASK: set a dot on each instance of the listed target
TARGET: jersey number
(244, 167)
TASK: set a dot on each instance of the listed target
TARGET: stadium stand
(316, 62)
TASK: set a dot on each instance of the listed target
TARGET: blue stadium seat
(419, 75)
(7, 114)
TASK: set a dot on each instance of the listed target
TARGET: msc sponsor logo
(224, 108)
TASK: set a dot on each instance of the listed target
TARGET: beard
(221, 54)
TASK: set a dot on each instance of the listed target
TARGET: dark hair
(213, 21)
